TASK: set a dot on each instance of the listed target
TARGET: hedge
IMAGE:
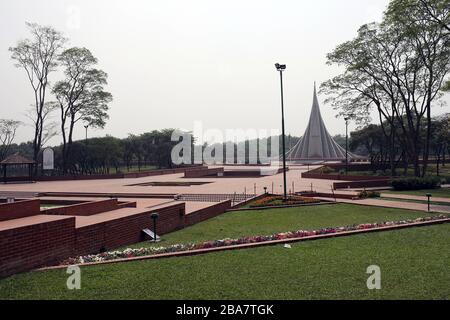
(416, 183)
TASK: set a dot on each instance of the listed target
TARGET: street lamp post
(280, 69)
(86, 127)
(346, 144)
(154, 217)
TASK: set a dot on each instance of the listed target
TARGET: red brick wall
(343, 177)
(29, 247)
(19, 209)
(62, 202)
(207, 213)
(202, 172)
(116, 175)
(84, 209)
(362, 184)
(89, 239)
(127, 230)
(240, 173)
(126, 204)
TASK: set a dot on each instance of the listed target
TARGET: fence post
(334, 195)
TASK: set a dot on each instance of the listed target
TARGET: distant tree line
(109, 154)
(371, 141)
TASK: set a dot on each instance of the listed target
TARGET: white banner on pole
(48, 159)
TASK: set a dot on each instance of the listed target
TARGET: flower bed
(274, 201)
(131, 253)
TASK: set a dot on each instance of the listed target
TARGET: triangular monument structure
(317, 145)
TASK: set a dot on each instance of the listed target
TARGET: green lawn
(442, 192)
(113, 170)
(266, 222)
(49, 206)
(414, 265)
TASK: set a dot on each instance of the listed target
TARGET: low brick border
(257, 244)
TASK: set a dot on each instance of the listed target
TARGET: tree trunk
(69, 142)
(392, 153)
(427, 142)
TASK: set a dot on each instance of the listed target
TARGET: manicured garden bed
(278, 201)
(290, 236)
(264, 222)
(324, 269)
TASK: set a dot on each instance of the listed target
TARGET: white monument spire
(317, 144)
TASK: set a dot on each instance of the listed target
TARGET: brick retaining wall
(110, 176)
(204, 172)
(19, 209)
(127, 230)
(207, 213)
(57, 238)
(25, 248)
(84, 209)
(362, 184)
(342, 177)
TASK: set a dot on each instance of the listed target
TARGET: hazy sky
(171, 63)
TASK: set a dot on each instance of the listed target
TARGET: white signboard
(48, 159)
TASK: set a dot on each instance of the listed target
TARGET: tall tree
(365, 83)
(440, 139)
(8, 130)
(80, 95)
(399, 66)
(37, 56)
(434, 11)
(49, 127)
(424, 28)
(446, 87)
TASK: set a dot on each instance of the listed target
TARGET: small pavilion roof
(16, 159)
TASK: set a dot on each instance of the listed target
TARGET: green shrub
(326, 170)
(416, 183)
(369, 194)
(380, 173)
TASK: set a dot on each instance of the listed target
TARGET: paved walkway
(412, 197)
(215, 185)
(396, 204)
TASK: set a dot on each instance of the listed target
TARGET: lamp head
(280, 67)
(154, 216)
